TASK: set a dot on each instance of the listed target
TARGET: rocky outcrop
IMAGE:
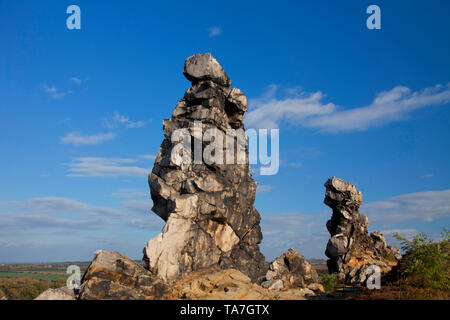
(229, 284)
(290, 270)
(112, 276)
(56, 294)
(207, 203)
(351, 250)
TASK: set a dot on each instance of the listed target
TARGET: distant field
(38, 274)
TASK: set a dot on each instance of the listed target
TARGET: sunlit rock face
(351, 250)
(207, 204)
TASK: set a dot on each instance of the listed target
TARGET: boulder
(228, 284)
(273, 284)
(207, 204)
(201, 67)
(293, 270)
(112, 276)
(351, 250)
(56, 294)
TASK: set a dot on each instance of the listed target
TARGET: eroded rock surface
(351, 250)
(229, 284)
(292, 269)
(207, 206)
(56, 294)
(112, 276)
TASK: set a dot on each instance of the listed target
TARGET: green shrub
(426, 263)
(329, 282)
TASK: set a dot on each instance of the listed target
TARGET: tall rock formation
(351, 250)
(207, 204)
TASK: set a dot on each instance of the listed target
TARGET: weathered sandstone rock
(351, 250)
(229, 284)
(112, 276)
(56, 294)
(293, 270)
(207, 206)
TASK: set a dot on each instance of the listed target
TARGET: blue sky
(81, 113)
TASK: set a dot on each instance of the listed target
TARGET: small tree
(426, 263)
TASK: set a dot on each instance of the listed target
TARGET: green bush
(25, 288)
(329, 282)
(426, 263)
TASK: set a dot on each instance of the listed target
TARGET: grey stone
(293, 269)
(273, 284)
(351, 249)
(201, 67)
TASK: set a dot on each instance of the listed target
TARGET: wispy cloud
(64, 213)
(214, 31)
(309, 110)
(426, 206)
(129, 193)
(106, 167)
(76, 80)
(55, 93)
(79, 139)
(264, 188)
(118, 120)
(428, 176)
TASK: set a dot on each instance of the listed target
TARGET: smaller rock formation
(112, 276)
(291, 270)
(351, 250)
(57, 294)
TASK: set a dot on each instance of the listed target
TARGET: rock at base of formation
(207, 206)
(351, 250)
(2, 295)
(229, 284)
(112, 276)
(291, 270)
(56, 294)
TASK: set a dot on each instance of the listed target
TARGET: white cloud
(427, 176)
(308, 110)
(118, 120)
(105, 167)
(55, 93)
(214, 31)
(264, 188)
(55, 205)
(426, 206)
(64, 213)
(78, 139)
(78, 81)
(129, 193)
(148, 156)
